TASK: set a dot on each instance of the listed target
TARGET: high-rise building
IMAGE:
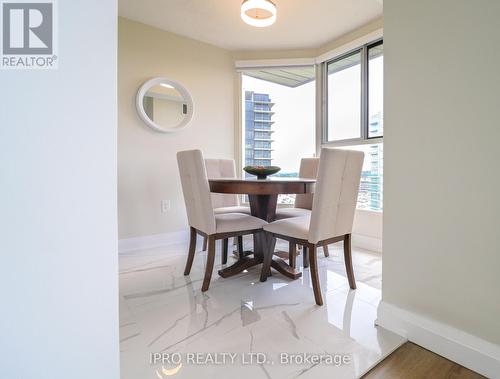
(376, 126)
(371, 185)
(258, 133)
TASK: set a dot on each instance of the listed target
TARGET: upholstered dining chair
(200, 212)
(302, 207)
(332, 214)
(225, 203)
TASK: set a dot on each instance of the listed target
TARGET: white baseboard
(465, 349)
(128, 245)
(366, 242)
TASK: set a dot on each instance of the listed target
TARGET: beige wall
(355, 34)
(442, 207)
(313, 52)
(368, 223)
(147, 167)
(274, 54)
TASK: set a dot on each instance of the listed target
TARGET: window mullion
(324, 103)
(364, 93)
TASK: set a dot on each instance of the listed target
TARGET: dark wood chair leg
(269, 243)
(314, 274)
(348, 261)
(240, 247)
(204, 243)
(292, 254)
(325, 251)
(305, 256)
(225, 246)
(192, 248)
(210, 263)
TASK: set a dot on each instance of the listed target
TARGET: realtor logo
(28, 35)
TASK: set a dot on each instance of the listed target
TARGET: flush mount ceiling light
(259, 13)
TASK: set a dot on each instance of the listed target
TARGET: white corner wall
(367, 230)
(58, 270)
(441, 182)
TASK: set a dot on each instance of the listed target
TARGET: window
(370, 188)
(279, 116)
(354, 115)
(344, 98)
(280, 122)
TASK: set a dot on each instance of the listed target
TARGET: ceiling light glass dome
(259, 13)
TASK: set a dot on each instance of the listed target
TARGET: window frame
(364, 93)
(241, 148)
(362, 44)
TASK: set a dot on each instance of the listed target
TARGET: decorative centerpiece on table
(261, 171)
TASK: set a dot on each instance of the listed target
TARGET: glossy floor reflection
(162, 311)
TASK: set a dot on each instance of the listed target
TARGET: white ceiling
(300, 23)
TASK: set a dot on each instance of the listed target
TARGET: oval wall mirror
(164, 105)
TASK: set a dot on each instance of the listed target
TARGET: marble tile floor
(162, 311)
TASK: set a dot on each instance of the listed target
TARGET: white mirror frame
(142, 113)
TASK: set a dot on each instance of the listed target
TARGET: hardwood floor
(413, 361)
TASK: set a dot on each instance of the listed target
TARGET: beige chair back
(196, 190)
(222, 168)
(308, 170)
(336, 193)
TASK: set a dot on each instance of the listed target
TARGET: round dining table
(263, 198)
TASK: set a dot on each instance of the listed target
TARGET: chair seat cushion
(297, 227)
(291, 212)
(235, 222)
(233, 209)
